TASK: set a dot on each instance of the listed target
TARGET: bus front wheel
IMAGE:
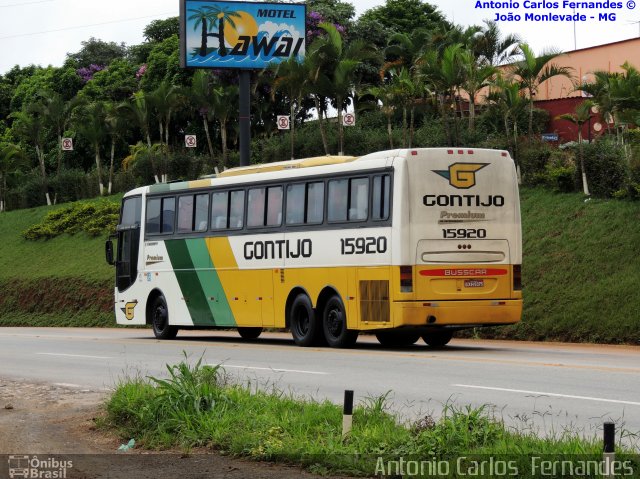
(305, 328)
(334, 325)
(437, 339)
(249, 333)
(160, 320)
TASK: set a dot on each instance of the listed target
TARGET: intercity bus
(402, 244)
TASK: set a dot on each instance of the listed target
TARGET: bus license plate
(474, 283)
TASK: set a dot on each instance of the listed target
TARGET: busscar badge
(128, 309)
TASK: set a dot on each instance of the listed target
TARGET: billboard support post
(245, 117)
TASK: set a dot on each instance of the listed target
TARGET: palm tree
(90, 124)
(386, 94)
(57, 113)
(140, 111)
(201, 96)
(339, 63)
(491, 48)
(533, 70)
(580, 117)
(225, 102)
(29, 123)
(11, 160)
(291, 78)
(116, 127)
(476, 76)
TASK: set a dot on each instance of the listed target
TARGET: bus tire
(334, 325)
(160, 320)
(249, 333)
(305, 328)
(437, 339)
(395, 338)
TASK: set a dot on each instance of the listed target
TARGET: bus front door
(127, 258)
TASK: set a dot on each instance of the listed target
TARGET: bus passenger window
(153, 216)
(274, 206)
(295, 204)
(201, 213)
(359, 199)
(380, 197)
(236, 211)
(255, 210)
(168, 214)
(338, 196)
(219, 208)
(315, 202)
(185, 214)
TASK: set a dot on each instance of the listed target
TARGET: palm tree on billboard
(212, 17)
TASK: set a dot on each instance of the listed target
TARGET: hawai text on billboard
(241, 34)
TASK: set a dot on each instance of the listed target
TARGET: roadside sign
(283, 122)
(549, 137)
(190, 141)
(349, 119)
(67, 144)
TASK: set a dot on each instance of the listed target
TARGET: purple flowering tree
(86, 73)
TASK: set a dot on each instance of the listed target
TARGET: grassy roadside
(197, 407)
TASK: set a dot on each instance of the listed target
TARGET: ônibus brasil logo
(461, 175)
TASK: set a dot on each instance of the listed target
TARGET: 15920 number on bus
(464, 233)
(367, 245)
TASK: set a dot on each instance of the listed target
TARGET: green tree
(476, 76)
(29, 125)
(400, 16)
(159, 30)
(139, 110)
(533, 70)
(115, 83)
(225, 103)
(57, 113)
(201, 95)
(90, 123)
(116, 128)
(291, 78)
(581, 115)
(11, 160)
(386, 95)
(98, 52)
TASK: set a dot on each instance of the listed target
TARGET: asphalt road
(546, 386)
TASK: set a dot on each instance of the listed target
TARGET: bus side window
(185, 214)
(201, 212)
(338, 199)
(168, 214)
(219, 209)
(236, 210)
(255, 209)
(153, 216)
(358, 199)
(274, 206)
(380, 197)
(295, 204)
(315, 202)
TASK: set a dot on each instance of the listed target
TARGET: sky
(42, 32)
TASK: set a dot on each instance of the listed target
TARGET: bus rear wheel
(395, 338)
(249, 333)
(437, 339)
(160, 320)
(334, 325)
(305, 328)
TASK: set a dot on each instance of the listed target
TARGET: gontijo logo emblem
(461, 175)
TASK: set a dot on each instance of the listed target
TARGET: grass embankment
(581, 272)
(197, 407)
(64, 281)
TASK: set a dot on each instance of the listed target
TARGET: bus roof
(286, 165)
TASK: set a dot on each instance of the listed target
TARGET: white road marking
(275, 370)
(75, 355)
(539, 393)
(68, 385)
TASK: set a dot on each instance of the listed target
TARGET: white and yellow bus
(403, 244)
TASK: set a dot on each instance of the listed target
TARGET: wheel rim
(160, 318)
(335, 322)
(302, 321)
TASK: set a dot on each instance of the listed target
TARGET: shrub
(606, 167)
(92, 218)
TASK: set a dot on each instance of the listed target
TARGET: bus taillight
(517, 277)
(406, 279)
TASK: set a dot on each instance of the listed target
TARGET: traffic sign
(190, 141)
(349, 119)
(283, 122)
(67, 144)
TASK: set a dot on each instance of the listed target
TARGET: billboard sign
(222, 34)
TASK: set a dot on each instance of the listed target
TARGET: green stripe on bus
(210, 282)
(189, 283)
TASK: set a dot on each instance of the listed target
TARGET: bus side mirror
(108, 252)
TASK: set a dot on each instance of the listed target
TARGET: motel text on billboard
(247, 35)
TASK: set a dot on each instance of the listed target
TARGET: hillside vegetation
(581, 272)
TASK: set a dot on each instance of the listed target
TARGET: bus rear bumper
(454, 313)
